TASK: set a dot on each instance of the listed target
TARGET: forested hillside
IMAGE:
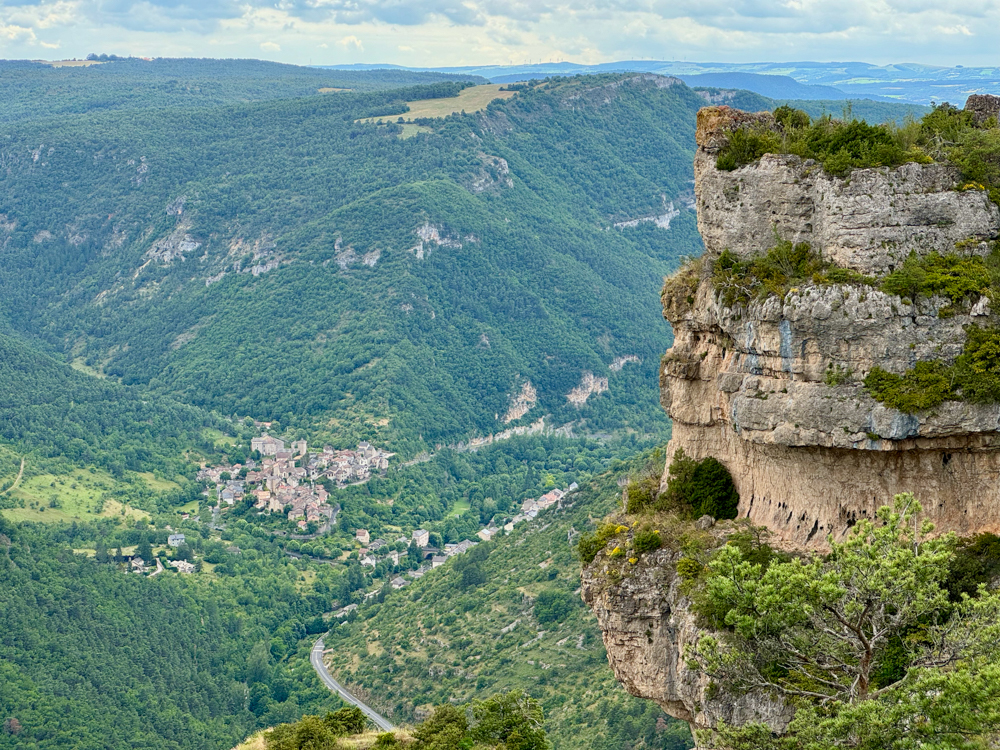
(285, 261)
(49, 408)
(33, 90)
(92, 657)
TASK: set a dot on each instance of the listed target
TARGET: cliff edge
(773, 387)
(775, 383)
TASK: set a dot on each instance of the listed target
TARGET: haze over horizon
(436, 33)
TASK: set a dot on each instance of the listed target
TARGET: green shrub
(308, 733)
(699, 488)
(553, 606)
(752, 543)
(712, 490)
(641, 493)
(446, 729)
(689, 569)
(590, 544)
(838, 145)
(977, 154)
(976, 562)
(646, 540)
(836, 375)
(975, 377)
(775, 272)
(745, 146)
(788, 117)
(386, 741)
(923, 387)
(944, 134)
(953, 276)
(977, 369)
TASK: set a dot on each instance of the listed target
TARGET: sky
(441, 33)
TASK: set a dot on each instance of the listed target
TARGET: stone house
(267, 445)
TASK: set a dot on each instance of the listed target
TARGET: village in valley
(434, 557)
(289, 482)
(293, 481)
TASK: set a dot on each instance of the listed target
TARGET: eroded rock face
(647, 625)
(773, 389)
(869, 222)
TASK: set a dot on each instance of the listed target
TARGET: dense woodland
(95, 658)
(213, 242)
(34, 90)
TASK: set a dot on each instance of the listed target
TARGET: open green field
(471, 99)
(189, 507)
(78, 496)
(157, 484)
(411, 129)
(219, 438)
(459, 509)
(80, 365)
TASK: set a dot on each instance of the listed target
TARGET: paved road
(316, 659)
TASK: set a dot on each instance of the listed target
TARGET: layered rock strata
(773, 389)
(648, 626)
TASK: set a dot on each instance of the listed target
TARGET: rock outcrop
(648, 625)
(773, 389)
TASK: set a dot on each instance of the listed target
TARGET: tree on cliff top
(864, 642)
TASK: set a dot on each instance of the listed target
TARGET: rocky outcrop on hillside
(773, 388)
(648, 625)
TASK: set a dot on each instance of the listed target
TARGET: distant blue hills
(837, 81)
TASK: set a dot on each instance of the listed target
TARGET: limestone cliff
(773, 388)
(647, 625)
(749, 384)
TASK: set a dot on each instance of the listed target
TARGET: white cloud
(350, 42)
(456, 32)
(957, 29)
(15, 33)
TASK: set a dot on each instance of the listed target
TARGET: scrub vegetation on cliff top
(776, 272)
(945, 134)
(506, 721)
(878, 644)
(694, 489)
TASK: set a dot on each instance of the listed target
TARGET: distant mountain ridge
(904, 82)
(775, 87)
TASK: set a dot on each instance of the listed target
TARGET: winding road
(316, 659)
